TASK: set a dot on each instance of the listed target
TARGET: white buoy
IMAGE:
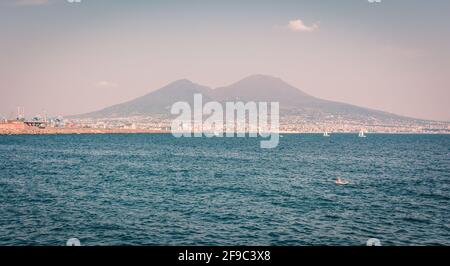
(373, 242)
(73, 242)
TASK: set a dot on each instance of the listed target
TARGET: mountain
(292, 100)
(157, 102)
(253, 88)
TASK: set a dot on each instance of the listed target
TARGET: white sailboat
(325, 134)
(361, 134)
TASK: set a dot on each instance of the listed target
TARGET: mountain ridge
(293, 101)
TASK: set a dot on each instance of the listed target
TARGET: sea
(155, 189)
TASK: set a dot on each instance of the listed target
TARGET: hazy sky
(69, 58)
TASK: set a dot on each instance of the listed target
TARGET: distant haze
(72, 58)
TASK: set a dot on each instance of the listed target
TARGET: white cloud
(298, 25)
(106, 84)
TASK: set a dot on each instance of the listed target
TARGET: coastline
(77, 131)
(87, 131)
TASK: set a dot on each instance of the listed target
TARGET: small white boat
(339, 181)
(361, 134)
(325, 134)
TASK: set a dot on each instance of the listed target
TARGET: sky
(66, 58)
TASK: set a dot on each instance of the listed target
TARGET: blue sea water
(154, 189)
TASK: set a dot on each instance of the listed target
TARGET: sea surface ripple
(154, 189)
